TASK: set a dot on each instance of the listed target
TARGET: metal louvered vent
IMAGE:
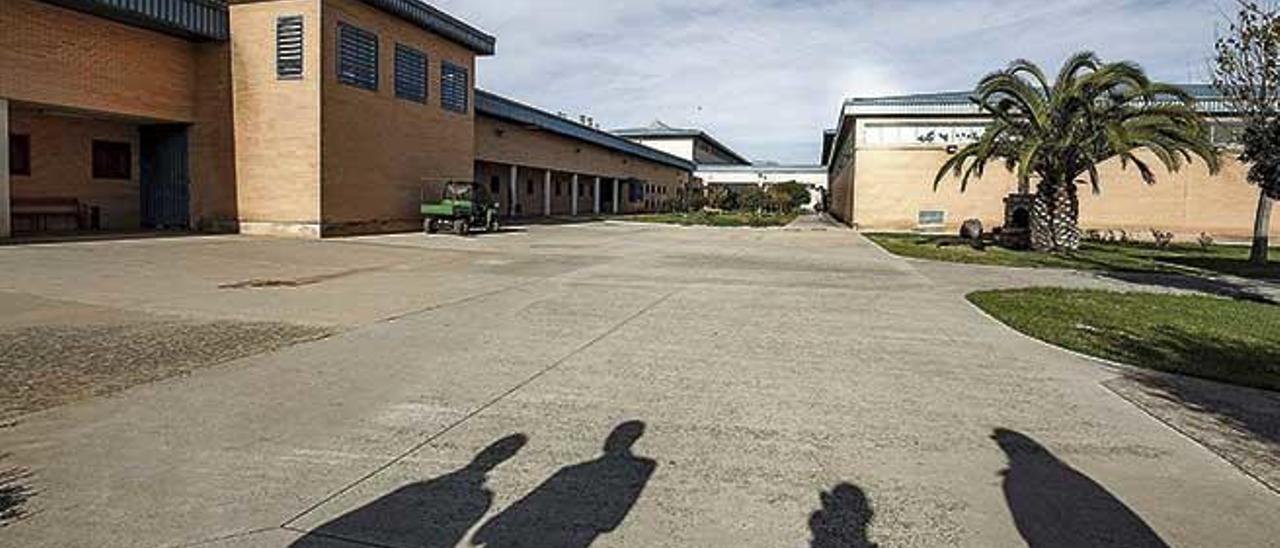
(411, 74)
(455, 88)
(357, 57)
(289, 47)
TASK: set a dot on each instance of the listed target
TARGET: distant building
(694, 145)
(720, 166)
(887, 150)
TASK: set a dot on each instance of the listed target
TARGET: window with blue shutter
(289, 47)
(357, 57)
(411, 74)
(455, 88)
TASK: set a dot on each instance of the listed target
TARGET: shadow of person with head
(578, 503)
(1054, 505)
(843, 520)
(428, 514)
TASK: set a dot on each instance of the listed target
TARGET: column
(5, 223)
(574, 190)
(595, 197)
(615, 197)
(515, 188)
(546, 194)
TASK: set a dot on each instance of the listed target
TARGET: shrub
(1162, 238)
(1205, 240)
(721, 198)
(788, 197)
(752, 199)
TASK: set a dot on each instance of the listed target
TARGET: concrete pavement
(795, 388)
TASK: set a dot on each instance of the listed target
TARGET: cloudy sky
(767, 76)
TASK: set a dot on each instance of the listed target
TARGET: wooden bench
(33, 214)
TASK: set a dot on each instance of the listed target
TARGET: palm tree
(1058, 135)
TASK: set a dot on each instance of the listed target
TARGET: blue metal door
(165, 177)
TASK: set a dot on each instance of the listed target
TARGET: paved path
(627, 385)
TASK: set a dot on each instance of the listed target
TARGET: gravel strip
(1242, 425)
(49, 365)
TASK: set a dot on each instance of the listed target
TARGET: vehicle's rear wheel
(430, 226)
(462, 227)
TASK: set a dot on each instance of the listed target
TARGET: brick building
(285, 117)
(884, 156)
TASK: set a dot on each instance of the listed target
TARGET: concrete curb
(1123, 369)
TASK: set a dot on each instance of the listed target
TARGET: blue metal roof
(190, 19)
(763, 168)
(496, 106)
(1208, 100)
(208, 19)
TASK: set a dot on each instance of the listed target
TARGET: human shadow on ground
(1220, 287)
(1236, 357)
(1253, 411)
(843, 520)
(431, 514)
(1056, 506)
(577, 504)
(14, 494)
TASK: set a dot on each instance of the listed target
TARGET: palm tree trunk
(1262, 230)
(1055, 218)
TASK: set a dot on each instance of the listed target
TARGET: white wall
(816, 179)
(712, 176)
(681, 148)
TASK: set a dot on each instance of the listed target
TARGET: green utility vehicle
(463, 206)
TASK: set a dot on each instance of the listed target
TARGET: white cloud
(767, 76)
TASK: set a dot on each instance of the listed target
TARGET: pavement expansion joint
(477, 411)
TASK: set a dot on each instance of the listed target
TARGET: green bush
(752, 199)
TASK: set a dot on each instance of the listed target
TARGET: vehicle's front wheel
(493, 227)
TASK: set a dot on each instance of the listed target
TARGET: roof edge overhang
(685, 134)
(197, 20)
(496, 106)
(432, 19)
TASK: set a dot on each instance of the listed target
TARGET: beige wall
(885, 188)
(62, 166)
(503, 143)
(378, 149)
(55, 56)
(892, 186)
(277, 122)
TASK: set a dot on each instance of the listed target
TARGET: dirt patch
(1242, 425)
(275, 283)
(43, 366)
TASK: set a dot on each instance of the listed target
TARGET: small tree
(789, 196)
(1247, 72)
(719, 197)
(752, 199)
(1057, 133)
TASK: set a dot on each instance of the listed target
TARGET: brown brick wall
(62, 166)
(378, 149)
(503, 143)
(55, 56)
(212, 142)
(277, 122)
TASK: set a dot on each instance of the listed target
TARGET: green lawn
(1225, 340)
(704, 218)
(1132, 257)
